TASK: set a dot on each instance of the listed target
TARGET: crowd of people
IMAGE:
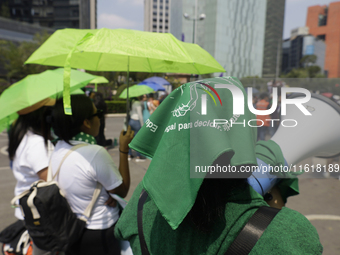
(220, 208)
(141, 109)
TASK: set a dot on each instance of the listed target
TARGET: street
(318, 199)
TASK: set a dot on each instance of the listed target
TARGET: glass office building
(242, 35)
(232, 32)
(56, 14)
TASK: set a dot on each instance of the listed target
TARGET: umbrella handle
(127, 98)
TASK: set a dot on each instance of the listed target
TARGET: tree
(13, 57)
(4, 12)
(308, 60)
(309, 69)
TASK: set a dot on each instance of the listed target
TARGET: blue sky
(130, 13)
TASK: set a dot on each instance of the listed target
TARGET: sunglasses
(99, 113)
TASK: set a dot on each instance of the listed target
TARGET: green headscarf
(181, 140)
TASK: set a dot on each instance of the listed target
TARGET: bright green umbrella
(121, 50)
(97, 80)
(136, 91)
(34, 88)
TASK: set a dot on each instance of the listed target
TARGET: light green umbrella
(97, 80)
(136, 91)
(34, 88)
(121, 50)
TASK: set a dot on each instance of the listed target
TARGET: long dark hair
(211, 201)
(34, 121)
(67, 126)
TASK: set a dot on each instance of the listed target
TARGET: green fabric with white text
(289, 232)
(270, 153)
(179, 137)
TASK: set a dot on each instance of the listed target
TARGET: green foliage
(309, 69)
(119, 91)
(4, 12)
(175, 83)
(308, 60)
(307, 72)
(296, 73)
(13, 56)
(116, 106)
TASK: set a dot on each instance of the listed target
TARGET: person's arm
(124, 141)
(43, 174)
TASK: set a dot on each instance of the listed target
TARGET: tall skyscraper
(242, 35)
(232, 32)
(273, 38)
(323, 23)
(53, 14)
(157, 16)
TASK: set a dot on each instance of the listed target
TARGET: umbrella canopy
(159, 80)
(116, 49)
(121, 50)
(136, 91)
(36, 87)
(99, 79)
(154, 86)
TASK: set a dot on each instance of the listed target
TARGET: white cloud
(114, 21)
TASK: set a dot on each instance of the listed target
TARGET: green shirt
(289, 232)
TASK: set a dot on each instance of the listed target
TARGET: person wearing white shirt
(136, 122)
(29, 149)
(86, 166)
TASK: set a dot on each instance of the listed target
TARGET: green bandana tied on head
(183, 142)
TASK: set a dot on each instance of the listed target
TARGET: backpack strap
(88, 210)
(41, 183)
(51, 177)
(242, 244)
(143, 196)
(252, 231)
(96, 192)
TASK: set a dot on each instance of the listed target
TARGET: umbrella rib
(149, 65)
(185, 52)
(99, 60)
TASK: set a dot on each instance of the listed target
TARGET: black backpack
(48, 217)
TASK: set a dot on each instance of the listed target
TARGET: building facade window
(322, 20)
